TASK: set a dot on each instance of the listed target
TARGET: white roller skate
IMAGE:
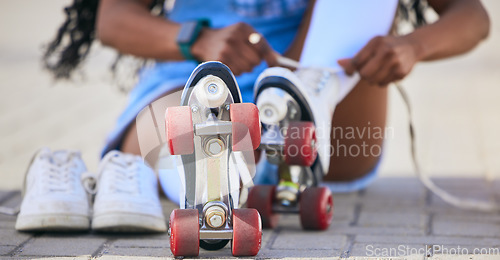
(296, 110)
(208, 130)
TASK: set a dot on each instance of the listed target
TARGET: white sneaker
(54, 197)
(127, 196)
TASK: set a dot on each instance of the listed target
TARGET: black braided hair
(413, 11)
(75, 36)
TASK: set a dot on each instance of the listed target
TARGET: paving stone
(10, 237)
(359, 230)
(403, 193)
(303, 253)
(7, 218)
(145, 251)
(308, 240)
(61, 246)
(116, 257)
(429, 240)
(267, 235)
(140, 243)
(7, 224)
(6, 249)
(5, 194)
(344, 207)
(462, 183)
(387, 250)
(465, 228)
(437, 204)
(469, 216)
(392, 219)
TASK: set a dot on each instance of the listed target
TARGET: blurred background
(456, 103)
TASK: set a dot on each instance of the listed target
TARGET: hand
(230, 45)
(383, 60)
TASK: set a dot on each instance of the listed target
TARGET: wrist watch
(188, 34)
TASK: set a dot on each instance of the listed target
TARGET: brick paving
(365, 224)
(455, 105)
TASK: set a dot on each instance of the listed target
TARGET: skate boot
(207, 130)
(296, 109)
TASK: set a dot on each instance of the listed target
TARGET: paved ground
(393, 217)
(456, 111)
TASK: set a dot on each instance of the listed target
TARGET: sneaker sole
(56, 222)
(128, 222)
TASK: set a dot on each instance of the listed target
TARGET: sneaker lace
(123, 170)
(59, 173)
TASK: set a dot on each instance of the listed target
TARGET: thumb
(269, 55)
(347, 65)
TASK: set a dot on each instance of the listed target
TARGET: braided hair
(412, 12)
(75, 37)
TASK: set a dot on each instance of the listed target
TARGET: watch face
(186, 32)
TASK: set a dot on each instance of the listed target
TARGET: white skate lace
(463, 203)
(123, 170)
(312, 77)
(59, 173)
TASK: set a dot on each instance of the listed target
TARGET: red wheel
(247, 232)
(246, 126)
(184, 232)
(179, 130)
(316, 208)
(300, 139)
(261, 198)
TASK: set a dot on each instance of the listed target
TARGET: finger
(383, 72)
(371, 67)
(271, 58)
(347, 65)
(365, 54)
(233, 65)
(390, 77)
(251, 55)
(265, 51)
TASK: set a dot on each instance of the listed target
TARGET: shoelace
(462, 203)
(123, 169)
(59, 175)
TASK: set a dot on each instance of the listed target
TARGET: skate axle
(280, 209)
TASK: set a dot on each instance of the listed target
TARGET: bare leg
(365, 108)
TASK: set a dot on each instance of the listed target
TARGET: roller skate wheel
(247, 232)
(245, 126)
(316, 208)
(272, 108)
(184, 232)
(261, 198)
(300, 143)
(211, 91)
(179, 130)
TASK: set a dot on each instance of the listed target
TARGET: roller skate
(209, 127)
(296, 110)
